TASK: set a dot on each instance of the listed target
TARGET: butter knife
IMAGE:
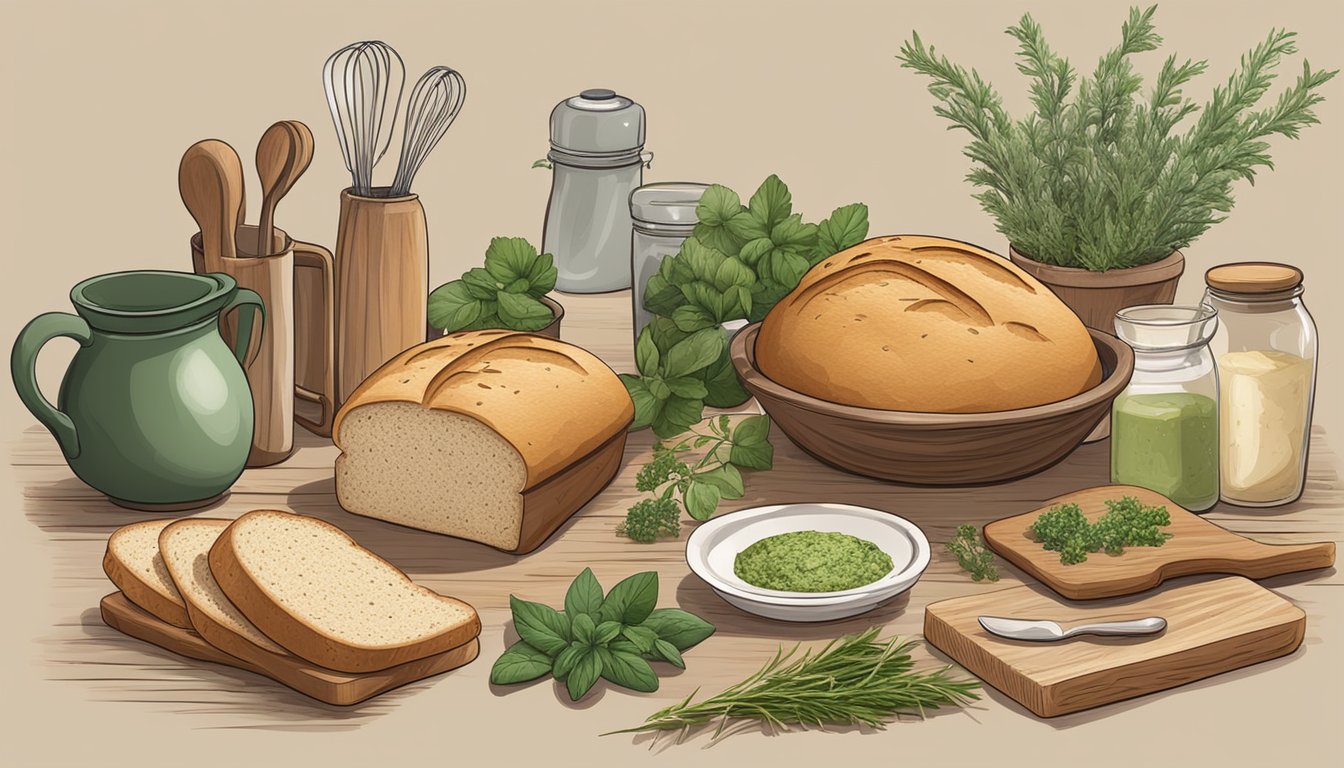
(1046, 631)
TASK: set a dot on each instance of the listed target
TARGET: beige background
(102, 98)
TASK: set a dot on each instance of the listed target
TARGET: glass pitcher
(1164, 426)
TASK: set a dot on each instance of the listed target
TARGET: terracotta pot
(551, 331)
(1096, 296)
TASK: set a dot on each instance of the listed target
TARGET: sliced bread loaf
(314, 590)
(493, 436)
(134, 564)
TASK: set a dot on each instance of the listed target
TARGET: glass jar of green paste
(1164, 426)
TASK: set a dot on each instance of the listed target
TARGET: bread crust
(558, 401)
(307, 641)
(137, 590)
(926, 324)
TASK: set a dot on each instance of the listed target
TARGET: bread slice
(134, 564)
(492, 436)
(315, 591)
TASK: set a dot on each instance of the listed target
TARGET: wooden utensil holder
(382, 283)
(271, 360)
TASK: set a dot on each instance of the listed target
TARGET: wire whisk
(435, 101)
(360, 80)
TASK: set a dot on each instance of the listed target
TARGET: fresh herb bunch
(505, 293)
(739, 262)
(611, 637)
(728, 449)
(1103, 180)
(1126, 523)
(972, 555)
(856, 680)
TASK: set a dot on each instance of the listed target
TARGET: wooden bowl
(936, 448)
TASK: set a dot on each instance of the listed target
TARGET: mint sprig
(505, 293)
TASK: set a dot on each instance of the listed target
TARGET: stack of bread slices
(286, 596)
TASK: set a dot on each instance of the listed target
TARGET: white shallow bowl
(712, 548)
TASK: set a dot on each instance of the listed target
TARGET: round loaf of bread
(918, 323)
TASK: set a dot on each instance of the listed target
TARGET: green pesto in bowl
(811, 561)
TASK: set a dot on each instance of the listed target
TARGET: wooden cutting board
(1213, 626)
(1196, 546)
(330, 686)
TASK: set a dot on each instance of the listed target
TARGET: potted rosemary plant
(1098, 189)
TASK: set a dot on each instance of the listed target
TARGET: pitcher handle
(312, 256)
(23, 369)
(245, 297)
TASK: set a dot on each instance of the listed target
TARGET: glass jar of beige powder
(1266, 355)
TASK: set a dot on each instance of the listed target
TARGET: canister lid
(1253, 277)
(597, 121)
(671, 202)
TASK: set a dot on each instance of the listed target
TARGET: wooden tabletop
(118, 694)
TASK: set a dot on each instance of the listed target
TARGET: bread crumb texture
(321, 577)
(136, 546)
(186, 550)
(926, 324)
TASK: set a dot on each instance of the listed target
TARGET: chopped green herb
(972, 555)
(1127, 523)
(811, 561)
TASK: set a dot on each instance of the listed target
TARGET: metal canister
(597, 145)
(663, 216)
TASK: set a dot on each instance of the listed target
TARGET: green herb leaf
(519, 664)
(452, 307)
(662, 296)
(717, 205)
(792, 232)
(632, 600)
(541, 275)
(847, 227)
(565, 661)
(584, 595)
(647, 407)
(509, 258)
(605, 632)
(646, 353)
(726, 478)
(687, 387)
(522, 312)
(749, 225)
(682, 629)
(783, 266)
(701, 499)
(628, 670)
(480, 284)
(772, 201)
(668, 652)
(587, 669)
(677, 415)
(541, 626)
(658, 387)
(694, 353)
(722, 387)
(641, 636)
(751, 444)
(584, 627)
(691, 318)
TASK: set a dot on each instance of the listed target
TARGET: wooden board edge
(990, 669)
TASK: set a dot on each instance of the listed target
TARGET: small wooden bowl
(936, 448)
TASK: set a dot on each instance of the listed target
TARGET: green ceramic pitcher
(154, 410)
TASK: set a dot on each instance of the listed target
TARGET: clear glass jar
(663, 215)
(1266, 353)
(1164, 426)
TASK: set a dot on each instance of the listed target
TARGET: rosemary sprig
(855, 680)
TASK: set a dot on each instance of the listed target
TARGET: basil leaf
(694, 352)
(606, 632)
(452, 306)
(647, 407)
(564, 663)
(522, 312)
(751, 444)
(717, 205)
(642, 637)
(668, 652)
(480, 284)
(509, 258)
(793, 232)
(520, 663)
(665, 332)
(658, 387)
(584, 628)
(753, 251)
(632, 600)
(584, 595)
(847, 227)
(722, 388)
(732, 272)
(772, 200)
(783, 266)
(765, 294)
(749, 225)
(541, 275)
(646, 353)
(687, 387)
(543, 627)
(587, 668)
(683, 630)
(752, 430)
(662, 296)
(727, 479)
(628, 670)
(623, 645)
(720, 239)
(676, 415)
(691, 318)
(701, 499)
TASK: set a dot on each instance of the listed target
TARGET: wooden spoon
(283, 154)
(210, 180)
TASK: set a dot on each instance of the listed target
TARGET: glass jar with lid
(1164, 426)
(1266, 353)
(663, 215)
